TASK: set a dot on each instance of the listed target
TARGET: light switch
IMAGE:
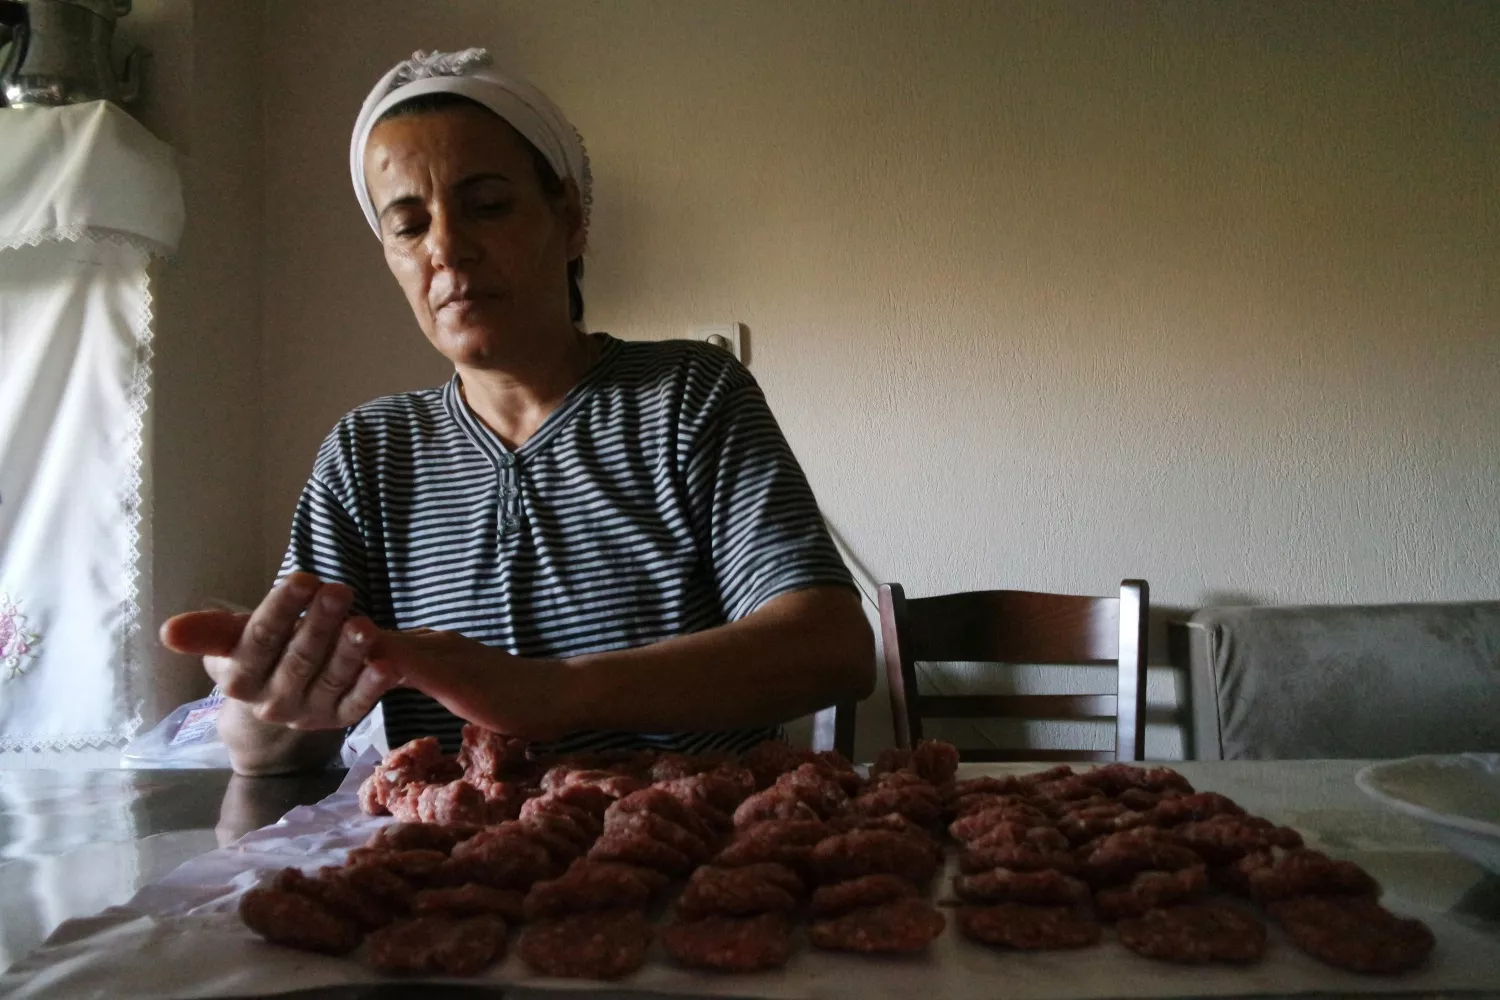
(725, 336)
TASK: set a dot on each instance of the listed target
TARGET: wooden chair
(1013, 626)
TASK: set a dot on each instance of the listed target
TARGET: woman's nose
(448, 241)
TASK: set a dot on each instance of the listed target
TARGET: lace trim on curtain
(129, 625)
(130, 502)
(78, 741)
(79, 234)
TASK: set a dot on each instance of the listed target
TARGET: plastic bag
(189, 737)
(370, 732)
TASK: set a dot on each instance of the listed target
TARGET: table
(75, 842)
(72, 843)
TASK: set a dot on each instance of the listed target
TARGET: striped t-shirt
(659, 499)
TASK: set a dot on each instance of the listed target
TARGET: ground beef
(733, 892)
(1001, 885)
(588, 945)
(441, 945)
(730, 944)
(906, 925)
(1195, 933)
(1030, 928)
(1310, 873)
(872, 852)
(869, 890)
(1355, 933)
(297, 921)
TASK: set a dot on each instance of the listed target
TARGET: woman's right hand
(290, 669)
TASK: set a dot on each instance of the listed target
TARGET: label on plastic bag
(197, 726)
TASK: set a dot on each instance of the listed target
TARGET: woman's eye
(496, 207)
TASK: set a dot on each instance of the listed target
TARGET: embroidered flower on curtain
(17, 645)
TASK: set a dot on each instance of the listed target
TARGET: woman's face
(480, 251)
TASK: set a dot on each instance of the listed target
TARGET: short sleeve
(326, 539)
(753, 509)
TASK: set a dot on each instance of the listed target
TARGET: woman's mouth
(462, 302)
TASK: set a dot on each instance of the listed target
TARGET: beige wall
(1044, 294)
(203, 95)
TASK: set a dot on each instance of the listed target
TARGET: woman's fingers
(266, 633)
(444, 666)
(415, 653)
(340, 672)
(389, 647)
(367, 689)
(203, 633)
(305, 656)
(219, 668)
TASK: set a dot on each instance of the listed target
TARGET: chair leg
(843, 728)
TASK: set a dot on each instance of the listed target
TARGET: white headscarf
(469, 74)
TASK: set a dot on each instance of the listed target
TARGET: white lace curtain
(87, 198)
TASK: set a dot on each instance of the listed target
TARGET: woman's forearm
(800, 652)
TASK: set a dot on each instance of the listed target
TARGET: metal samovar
(58, 52)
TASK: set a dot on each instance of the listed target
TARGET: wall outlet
(722, 335)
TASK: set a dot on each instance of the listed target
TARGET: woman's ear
(571, 208)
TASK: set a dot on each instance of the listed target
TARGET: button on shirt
(659, 499)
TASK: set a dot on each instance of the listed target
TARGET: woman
(577, 539)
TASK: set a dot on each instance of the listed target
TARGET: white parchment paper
(180, 938)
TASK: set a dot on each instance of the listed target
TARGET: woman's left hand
(525, 698)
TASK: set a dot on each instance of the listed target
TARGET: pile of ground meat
(730, 862)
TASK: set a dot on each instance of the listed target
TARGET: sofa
(1342, 681)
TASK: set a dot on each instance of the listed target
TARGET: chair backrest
(1012, 626)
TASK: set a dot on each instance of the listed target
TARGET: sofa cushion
(1346, 681)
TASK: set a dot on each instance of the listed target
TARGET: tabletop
(75, 842)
